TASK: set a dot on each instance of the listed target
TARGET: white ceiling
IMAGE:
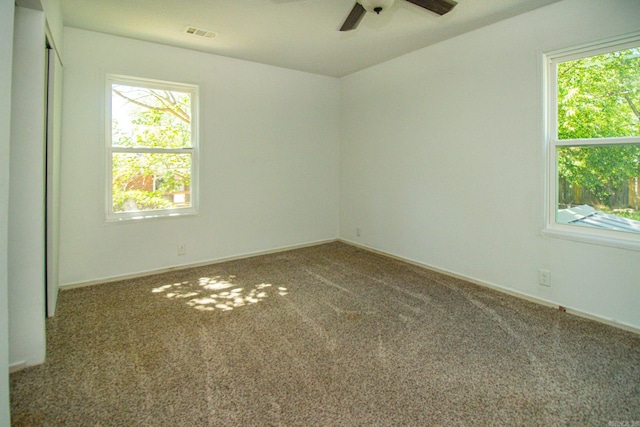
(296, 34)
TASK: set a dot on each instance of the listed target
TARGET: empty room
(319, 212)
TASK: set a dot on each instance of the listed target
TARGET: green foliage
(154, 174)
(599, 97)
(602, 170)
(150, 119)
(142, 200)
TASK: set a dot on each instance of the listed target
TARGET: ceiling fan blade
(354, 18)
(437, 6)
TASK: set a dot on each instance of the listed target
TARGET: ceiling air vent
(195, 31)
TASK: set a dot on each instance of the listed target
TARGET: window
(152, 148)
(593, 143)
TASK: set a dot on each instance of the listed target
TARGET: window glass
(595, 138)
(151, 148)
(598, 96)
(150, 181)
(145, 117)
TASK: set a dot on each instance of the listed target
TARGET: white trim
(611, 238)
(594, 236)
(17, 366)
(124, 217)
(498, 288)
(151, 83)
(52, 41)
(120, 217)
(151, 150)
(143, 273)
(596, 47)
(502, 289)
(627, 140)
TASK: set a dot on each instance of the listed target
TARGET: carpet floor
(329, 335)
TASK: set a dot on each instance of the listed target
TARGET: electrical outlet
(358, 231)
(544, 277)
(182, 249)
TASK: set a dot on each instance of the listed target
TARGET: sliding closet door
(52, 175)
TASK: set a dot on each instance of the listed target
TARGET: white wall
(6, 53)
(442, 161)
(26, 194)
(269, 165)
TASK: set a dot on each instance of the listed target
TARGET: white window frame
(552, 228)
(112, 216)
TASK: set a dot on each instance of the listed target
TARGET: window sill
(585, 237)
(149, 216)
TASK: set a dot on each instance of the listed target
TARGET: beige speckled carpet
(329, 335)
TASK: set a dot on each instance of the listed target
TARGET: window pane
(142, 117)
(599, 186)
(599, 96)
(151, 181)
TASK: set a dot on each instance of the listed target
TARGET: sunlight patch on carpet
(199, 295)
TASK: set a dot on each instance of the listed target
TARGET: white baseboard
(17, 366)
(505, 290)
(144, 273)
